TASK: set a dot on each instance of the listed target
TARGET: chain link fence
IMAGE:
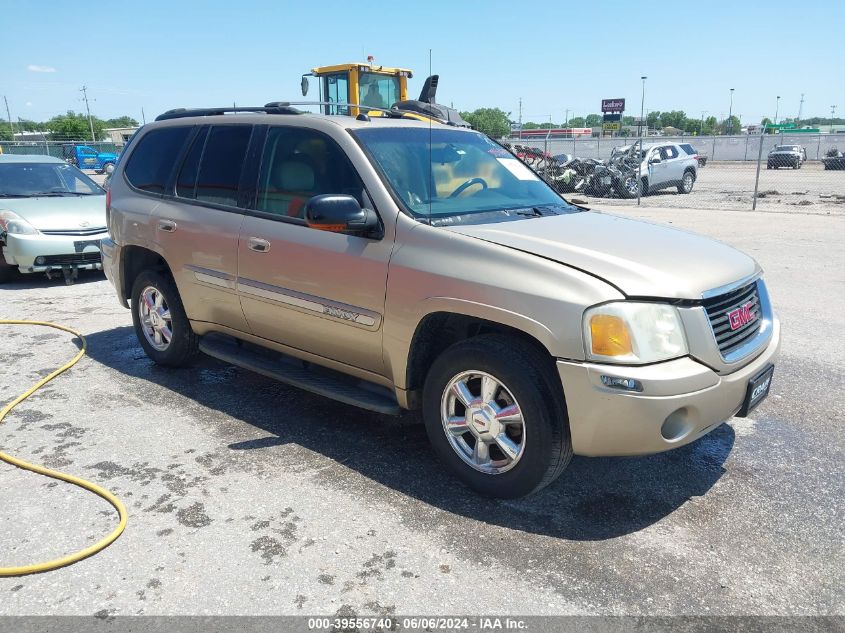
(788, 172)
(56, 148)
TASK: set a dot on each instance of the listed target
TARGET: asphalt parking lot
(249, 497)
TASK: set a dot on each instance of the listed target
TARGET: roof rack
(274, 107)
(271, 108)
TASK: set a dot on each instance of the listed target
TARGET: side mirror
(339, 213)
(304, 85)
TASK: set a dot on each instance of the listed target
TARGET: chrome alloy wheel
(483, 422)
(155, 318)
(631, 185)
(688, 182)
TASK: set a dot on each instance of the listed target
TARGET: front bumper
(61, 251)
(681, 401)
(111, 266)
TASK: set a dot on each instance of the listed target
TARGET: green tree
(493, 122)
(74, 126)
(653, 119)
(121, 121)
(675, 118)
(530, 125)
(710, 125)
(577, 121)
(592, 120)
(731, 126)
(5, 131)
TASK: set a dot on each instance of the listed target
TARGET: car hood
(639, 258)
(784, 151)
(57, 214)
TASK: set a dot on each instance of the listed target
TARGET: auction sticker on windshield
(517, 168)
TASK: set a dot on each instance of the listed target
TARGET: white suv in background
(669, 165)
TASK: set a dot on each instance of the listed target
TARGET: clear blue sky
(555, 55)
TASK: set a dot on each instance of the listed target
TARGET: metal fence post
(819, 147)
(757, 178)
(713, 153)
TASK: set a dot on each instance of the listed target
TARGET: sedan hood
(71, 213)
(639, 258)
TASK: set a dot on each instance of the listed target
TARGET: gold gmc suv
(395, 264)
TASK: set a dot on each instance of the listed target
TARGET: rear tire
(161, 325)
(524, 382)
(687, 182)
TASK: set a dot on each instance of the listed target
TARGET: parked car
(86, 157)
(786, 156)
(396, 264)
(52, 217)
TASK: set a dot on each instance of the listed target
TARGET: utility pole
(143, 118)
(777, 107)
(730, 114)
(832, 116)
(520, 118)
(800, 109)
(9, 116)
(84, 91)
(701, 129)
(566, 123)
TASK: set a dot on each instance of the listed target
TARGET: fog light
(628, 384)
(40, 260)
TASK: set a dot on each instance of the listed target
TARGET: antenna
(430, 165)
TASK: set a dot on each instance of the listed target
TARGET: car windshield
(28, 180)
(786, 148)
(440, 173)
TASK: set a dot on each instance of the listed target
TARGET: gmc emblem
(740, 316)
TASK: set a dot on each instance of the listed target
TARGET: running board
(297, 373)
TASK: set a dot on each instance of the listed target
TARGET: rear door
(196, 225)
(312, 290)
(674, 158)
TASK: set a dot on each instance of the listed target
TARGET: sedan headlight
(13, 224)
(633, 333)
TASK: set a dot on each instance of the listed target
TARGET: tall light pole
(800, 109)
(832, 116)
(701, 127)
(640, 161)
(777, 107)
(730, 114)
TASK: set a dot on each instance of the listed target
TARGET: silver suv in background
(669, 165)
(396, 264)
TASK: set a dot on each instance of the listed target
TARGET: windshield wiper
(51, 194)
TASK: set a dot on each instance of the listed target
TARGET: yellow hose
(76, 481)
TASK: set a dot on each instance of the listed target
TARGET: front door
(312, 290)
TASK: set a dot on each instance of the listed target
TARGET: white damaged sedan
(52, 217)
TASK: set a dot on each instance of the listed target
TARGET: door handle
(167, 225)
(258, 245)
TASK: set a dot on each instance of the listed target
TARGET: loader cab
(367, 85)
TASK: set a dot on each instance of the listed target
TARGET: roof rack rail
(270, 108)
(275, 107)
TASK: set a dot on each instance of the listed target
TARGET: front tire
(495, 415)
(161, 325)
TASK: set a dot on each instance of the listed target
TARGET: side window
(337, 91)
(152, 160)
(688, 148)
(668, 152)
(378, 91)
(222, 162)
(186, 182)
(298, 164)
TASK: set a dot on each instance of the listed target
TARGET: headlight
(13, 224)
(633, 333)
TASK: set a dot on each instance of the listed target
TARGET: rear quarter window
(152, 161)
(689, 149)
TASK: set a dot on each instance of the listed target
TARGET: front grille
(77, 232)
(718, 311)
(74, 259)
